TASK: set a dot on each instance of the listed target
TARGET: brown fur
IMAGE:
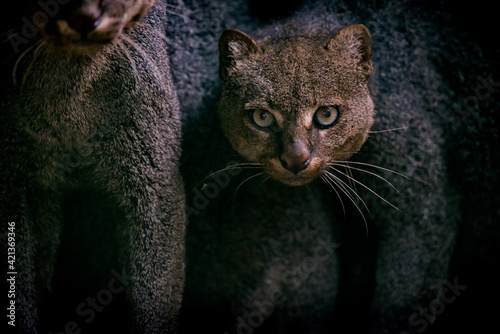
(282, 77)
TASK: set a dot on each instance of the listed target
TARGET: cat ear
(355, 41)
(234, 45)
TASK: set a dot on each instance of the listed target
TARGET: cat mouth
(293, 179)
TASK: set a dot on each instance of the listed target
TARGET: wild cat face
(82, 24)
(295, 105)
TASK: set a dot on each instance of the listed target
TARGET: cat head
(296, 104)
(81, 24)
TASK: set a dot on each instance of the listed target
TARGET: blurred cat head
(75, 24)
(296, 104)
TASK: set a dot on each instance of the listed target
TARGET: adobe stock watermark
(88, 310)
(212, 189)
(294, 278)
(426, 316)
(485, 87)
(29, 29)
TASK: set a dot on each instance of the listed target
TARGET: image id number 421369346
(11, 273)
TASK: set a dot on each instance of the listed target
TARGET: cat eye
(262, 118)
(326, 117)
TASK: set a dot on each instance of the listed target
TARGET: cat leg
(153, 274)
(157, 257)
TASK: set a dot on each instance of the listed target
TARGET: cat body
(258, 272)
(293, 79)
(251, 262)
(90, 144)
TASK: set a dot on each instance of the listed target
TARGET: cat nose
(85, 19)
(295, 163)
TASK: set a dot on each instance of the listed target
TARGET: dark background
(473, 154)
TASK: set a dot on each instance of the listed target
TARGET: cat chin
(294, 181)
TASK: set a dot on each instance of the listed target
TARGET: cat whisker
(246, 180)
(242, 165)
(229, 168)
(341, 185)
(37, 46)
(375, 166)
(352, 152)
(308, 189)
(153, 31)
(248, 163)
(389, 130)
(124, 38)
(42, 43)
(368, 188)
(260, 185)
(332, 186)
(349, 171)
(18, 61)
(10, 34)
(177, 10)
(139, 48)
(368, 172)
(347, 189)
(182, 16)
(127, 55)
